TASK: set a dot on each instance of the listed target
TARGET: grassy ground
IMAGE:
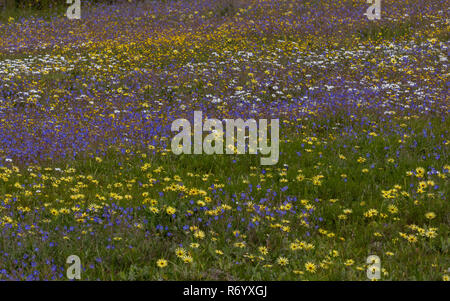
(233, 218)
(10, 13)
(353, 179)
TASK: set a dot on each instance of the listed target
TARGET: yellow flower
(361, 160)
(187, 259)
(283, 261)
(430, 215)
(239, 245)
(170, 210)
(349, 262)
(180, 252)
(412, 238)
(294, 246)
(263, 250)
(161, 263)
(420, 172)
(199, 234)
(371, 213)
(430, 234)
(392, 209)
(422, 184)
(310, 267)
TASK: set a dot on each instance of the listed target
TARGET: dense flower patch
(86, 167)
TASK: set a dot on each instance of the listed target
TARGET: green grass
(352, 237)
(338, 179)
(24, 13)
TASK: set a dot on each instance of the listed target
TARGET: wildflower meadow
(353, 113)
